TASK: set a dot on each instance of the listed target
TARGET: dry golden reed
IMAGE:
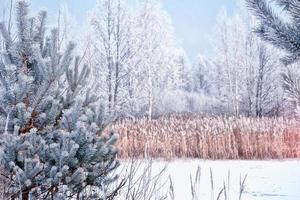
(208, 137)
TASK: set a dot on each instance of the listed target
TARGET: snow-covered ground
(266, 180)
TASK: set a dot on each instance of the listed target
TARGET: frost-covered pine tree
(282, 31)
(51, 122)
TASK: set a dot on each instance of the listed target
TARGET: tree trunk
(110, 98)
(25, 195)
(150, 95)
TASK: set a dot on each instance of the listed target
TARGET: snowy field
(266, 180)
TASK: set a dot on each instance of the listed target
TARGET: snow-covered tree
(228, 42)
(66, 25)
(164, 66)
(202, 76)
(135, 56)
(52, 142)
(111, 23)
(246, 71)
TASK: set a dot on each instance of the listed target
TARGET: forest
(113, 105)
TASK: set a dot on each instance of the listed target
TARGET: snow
(266, 180)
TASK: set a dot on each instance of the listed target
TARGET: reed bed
(208, 137)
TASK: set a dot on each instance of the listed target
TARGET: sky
(193, 20)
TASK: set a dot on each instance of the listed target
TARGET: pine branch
(23, 26)
(272, 29)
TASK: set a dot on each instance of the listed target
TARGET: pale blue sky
(193, 20)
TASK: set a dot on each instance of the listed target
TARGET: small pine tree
(284, 34)
(52, 142)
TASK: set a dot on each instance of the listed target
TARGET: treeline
(139, 69)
